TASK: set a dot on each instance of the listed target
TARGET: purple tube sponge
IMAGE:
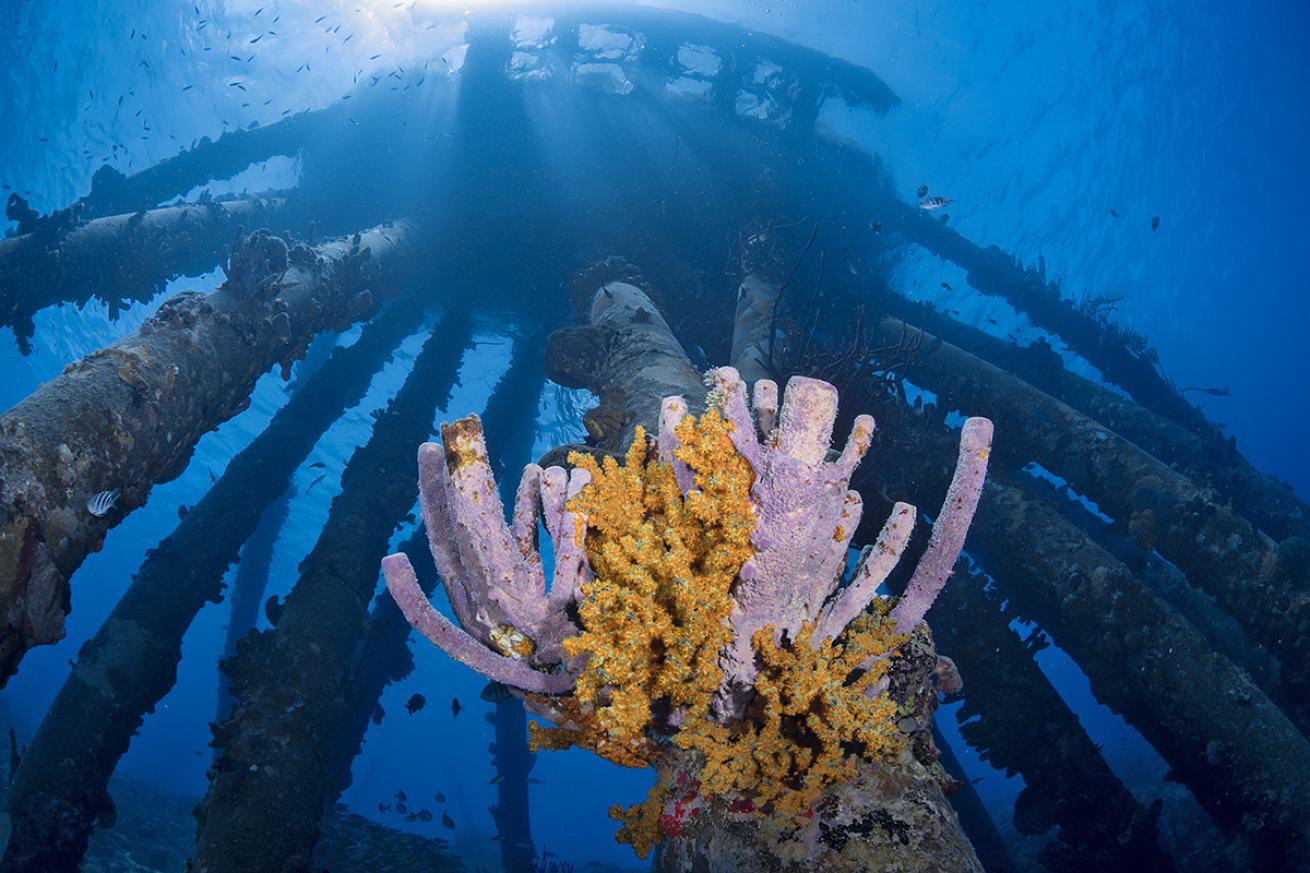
(511, 628)
(806, 515)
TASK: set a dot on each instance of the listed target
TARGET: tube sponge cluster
(698, 600)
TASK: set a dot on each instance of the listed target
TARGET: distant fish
(947, 286)
(455, 707)
(212, 478)
(497, 779)
(440, 798)
(1225, 391)
(495, 692)
(384, 807)
(944, 217)
(932, 203)
(1114, 214)
(424, 815)
(413, 816)
(402, 808)
(102, 502)
(1155, 223)
(317, 465)
(415, 703)
(400, 796)
(317, 479)
(447, 820)
(921, 192)
(875, 225)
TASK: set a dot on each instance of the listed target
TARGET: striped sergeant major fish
(100, 504)
(934, 203)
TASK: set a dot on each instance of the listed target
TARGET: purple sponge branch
(950, 526)
(805, 517)
(418, 610)
(875, 565)
(510, 627)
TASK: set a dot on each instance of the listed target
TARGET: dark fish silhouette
(317, 465)
(400, 795)
(944, 217)
(455, 707)
(415, 703)
(947, 286)
(495, 692)
(921, 192)
(384, 807)
(1224, 391)
(447, 820)
(1113, 214)
(1155, 223)
(318, 479)
(440, 798)
(424, 815)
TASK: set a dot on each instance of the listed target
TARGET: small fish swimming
(921, 192)
(1155, 223)
(932, 203)
(447, 820)
(424, 815)
(318, 479)
(497, 779)
(947, 286)
(413, 816)
(101, 503)
(400, 796)
(1223, 391)
(439, 797)
(415, 703)
(1114, 214)
(495, 692)
(317, 465)
(944, 217)
(384, 807)
(455, 707)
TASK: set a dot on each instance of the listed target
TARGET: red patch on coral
(741, 804)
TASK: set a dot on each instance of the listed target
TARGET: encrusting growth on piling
(700, 609)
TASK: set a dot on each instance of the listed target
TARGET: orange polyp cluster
(654, 622)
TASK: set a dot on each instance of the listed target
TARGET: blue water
(1037, 118)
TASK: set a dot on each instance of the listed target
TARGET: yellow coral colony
(654, 622)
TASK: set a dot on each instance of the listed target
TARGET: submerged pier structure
(578, 186)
